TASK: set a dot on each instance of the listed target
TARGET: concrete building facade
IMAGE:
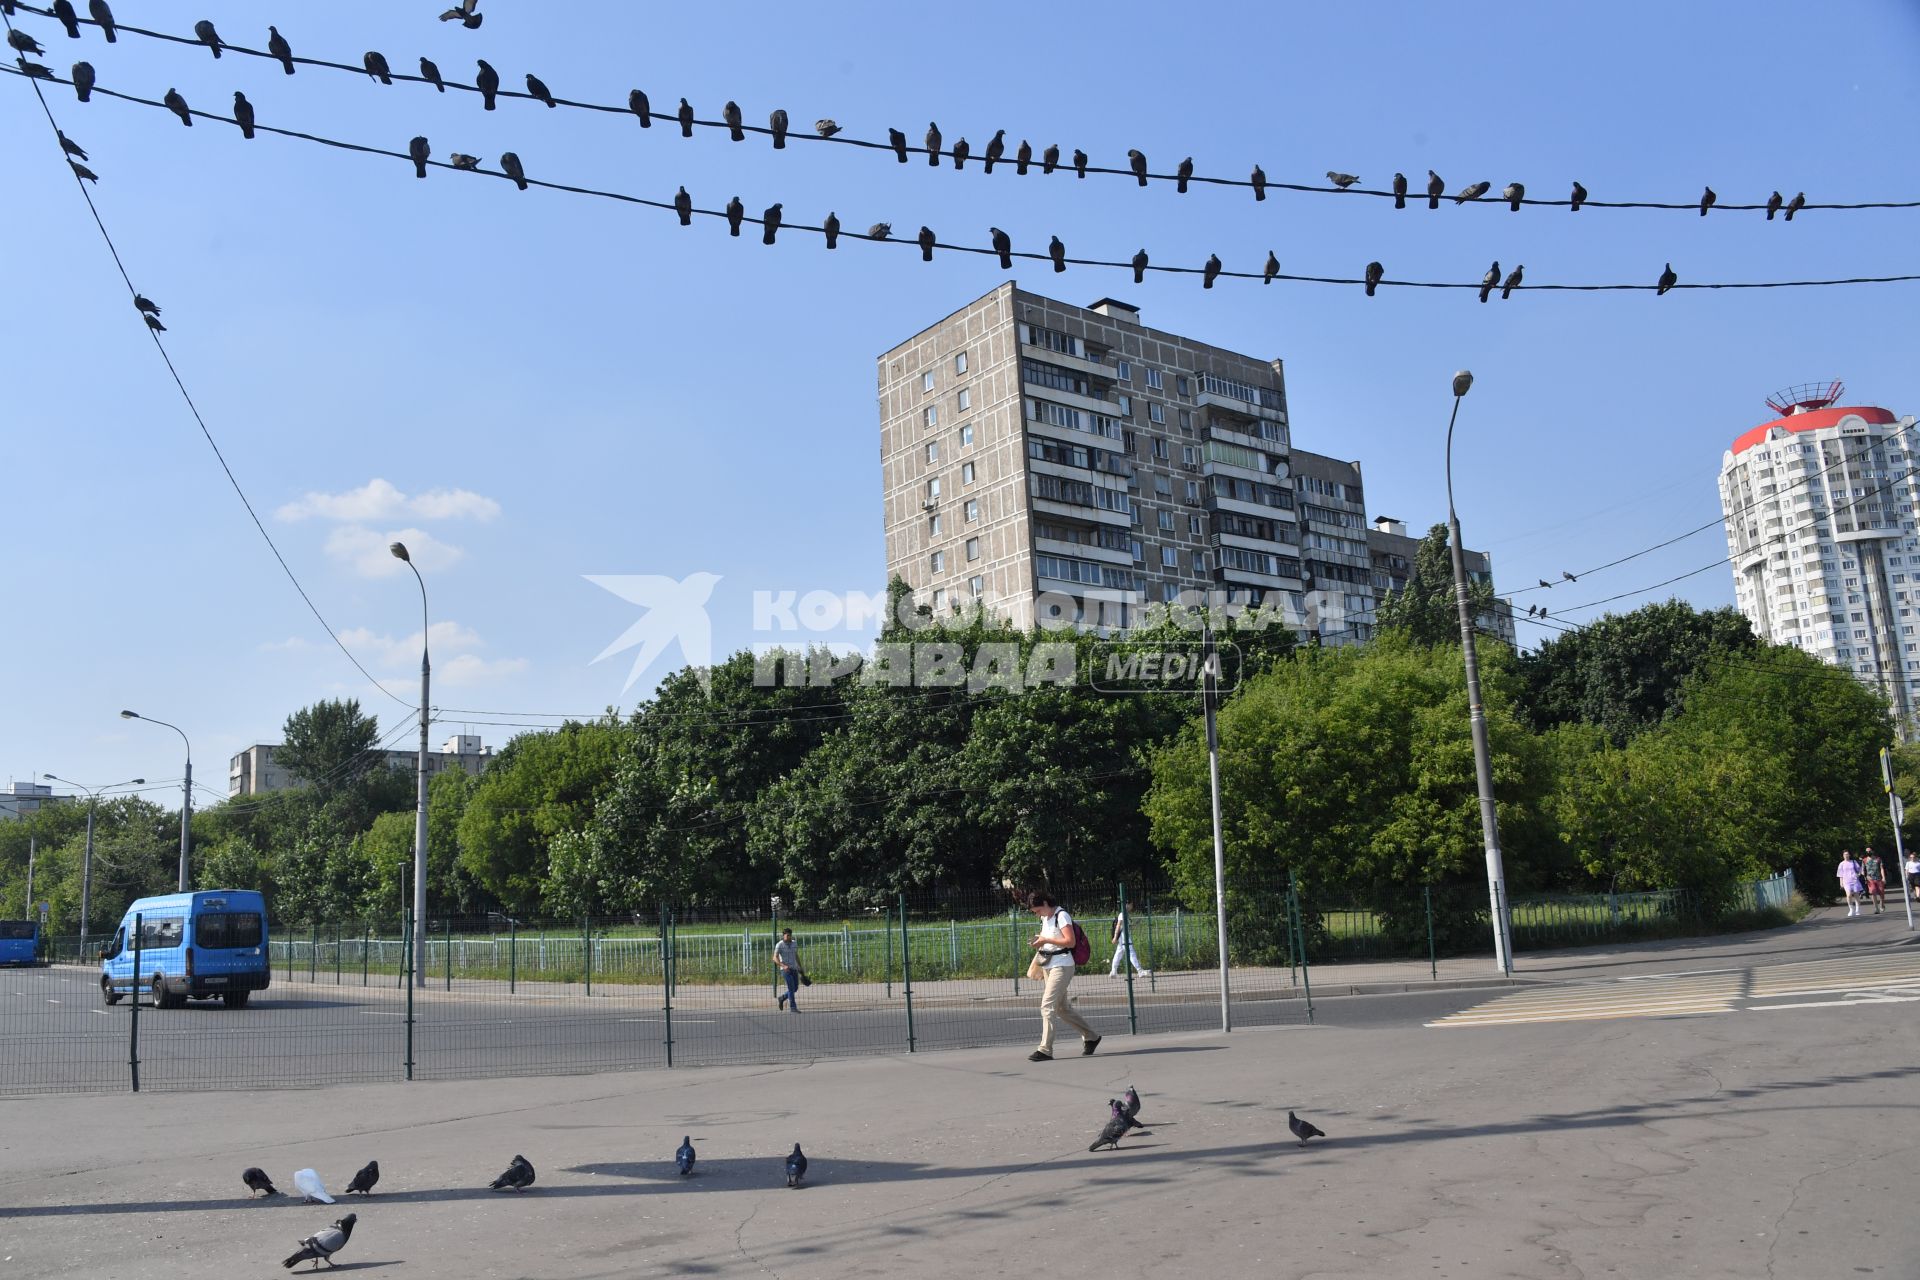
(1819, 511)
(254, 771)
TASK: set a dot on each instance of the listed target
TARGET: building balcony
(1247, 507)
(1074, 511)
(1080, 364)
(1121, 557)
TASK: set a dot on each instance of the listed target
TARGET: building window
(1193, 525)
(1139, 552)
(926, 382)
(1163, 486)
(939, 597)
(960, 362)
(1186, 421)
(1169, 558)
(966, 473)
(966, 435)
(933, 525)
(933, 451)
(972, 510)
(1199, 562)
(1126, 405)
(977, 585)
(964, 401)
(931, 415)
(1123, 370)
(1180, 386)
(1169, 592)
(938, 562)
(933, 489)
(1166, 521)
(1190, 455)
(1157, 412)
(1193, 491)
(1161, 451)
(973, 548)
(1153, 379)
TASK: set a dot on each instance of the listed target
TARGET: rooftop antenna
(1806, 396)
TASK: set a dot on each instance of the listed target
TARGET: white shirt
(1058, 932)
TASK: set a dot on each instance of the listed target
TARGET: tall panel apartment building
(1055, 463)
(1819, 511)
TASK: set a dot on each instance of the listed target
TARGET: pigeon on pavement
(1302, 1129)
(308, 1184)
(1115, 1129)
(796, 1166)
(684, 1156)
(518, 1176)
(322, 1245)
(363, 1181)
(1119, 1109)
(255, 1178)
(1131, 1101)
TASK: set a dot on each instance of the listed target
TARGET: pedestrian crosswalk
(1882, 977)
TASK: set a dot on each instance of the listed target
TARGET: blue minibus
(19, 942)
(192, 946)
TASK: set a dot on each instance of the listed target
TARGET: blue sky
(532, 387)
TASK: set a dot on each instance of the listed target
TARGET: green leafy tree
(1624, 672)
(329, 744)
(539, 786)
(1426, 611)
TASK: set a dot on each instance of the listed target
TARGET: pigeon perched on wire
(1110, 1135)
(63, 10)
(880, 231)
(825, 128)
(1210, 272)
(308, 1184)
(1050, 158)
(1271, 270)
(1137, 161)
(103, 15)
(1796, 204)
(684, 1156)
(1399, 190)
(518, 1176)
(364, 1180)
(770, 223)
(777, 125)
(376, 65)
(1473, 192)
(1514, 192)
(1182, 174)
(1490, 281)
(421, 152)
(34, 70)
(1022, 158)
(1667, 280)
(537, 88)
(1303, 1129)
(487, 82)
(1579, 196)
(1774, 202)
(243, 114)
(1079, 163)
(796, 1165)
(71, 147)
(933, 144)
(153, 323)
(207, 35)
(832, 228)
(256, 1178)
(1341, 180)
(510, 165)
(1569, 577)
(322, 1245)
(466, 13)
(1374, 274)
(431, 74)
(1058, 252)
(736, 213)
(461, 160)
(960, 153)
(731, 114)
(1259, 183)
(996, 147)
(1512, 282)
(685, 116)
(22, 42)
(178, 105)
(683, 205)
(1546, 584)
(1140, 266)
(926, 244)
(277, 46)
(898, 141)
(638, 104)
(82, 78)
(1436, 187)
(1002, 245)
(1707, 198)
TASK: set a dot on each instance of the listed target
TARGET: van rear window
(162, 933)
(14, 930)
(227, 929)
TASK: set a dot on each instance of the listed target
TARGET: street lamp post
(186, 788)
(86, 863)
(1476, 710)
(399, 550)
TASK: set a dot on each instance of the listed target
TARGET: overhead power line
(513, 169)
(998, 153)
(153, 332)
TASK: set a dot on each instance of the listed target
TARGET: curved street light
(86, 864)
(186, 788)
(1476, 710)
(399, 550)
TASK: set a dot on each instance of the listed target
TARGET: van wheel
(163, 999)
(235, 999)
(107, 992)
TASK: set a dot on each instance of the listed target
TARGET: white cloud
(292, 644)
(385, 651)
(380, 499)
(366, 551)
(471, 668)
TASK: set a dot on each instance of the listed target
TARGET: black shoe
(1087, 1047)
(780, 1002)
(1037, 1056)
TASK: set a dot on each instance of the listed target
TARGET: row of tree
(1664, 747)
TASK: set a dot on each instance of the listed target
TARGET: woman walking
(1123, 943)
(1852, 880)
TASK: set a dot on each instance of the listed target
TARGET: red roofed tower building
(1819, 509)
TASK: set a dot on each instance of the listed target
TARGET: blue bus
(19, 942)
(193, 946)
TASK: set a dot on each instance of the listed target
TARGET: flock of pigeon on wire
(1123, 1117)
(487, 84)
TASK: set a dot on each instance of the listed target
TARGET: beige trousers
(1056, 1003)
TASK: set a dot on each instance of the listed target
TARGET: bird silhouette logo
(676, 611)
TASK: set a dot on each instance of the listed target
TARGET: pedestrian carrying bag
(1082, 944)
(805, 981)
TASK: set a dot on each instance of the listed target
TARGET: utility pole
(1897, 811)
(1209, 695)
